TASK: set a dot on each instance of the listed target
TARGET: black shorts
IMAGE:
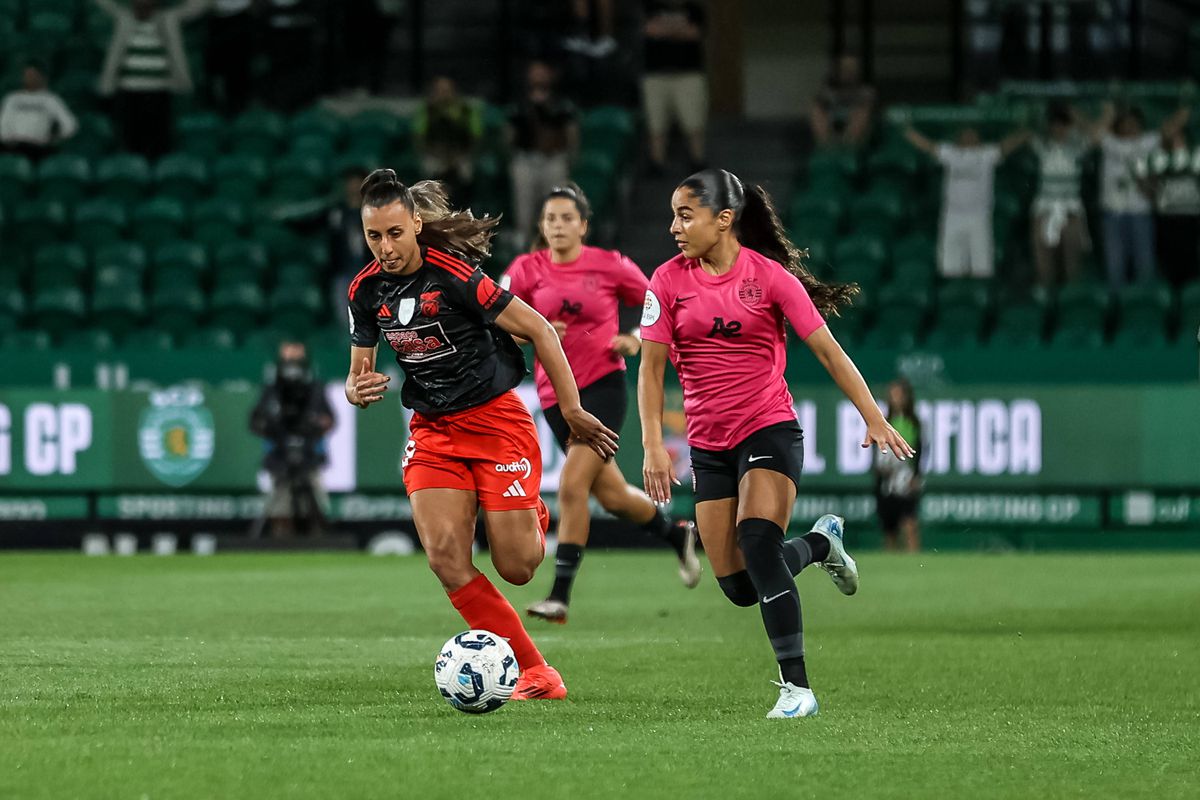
(778, 447)
(893, 508)
(607, 399)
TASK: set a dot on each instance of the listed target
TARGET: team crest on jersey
(430, 303)
(404, 311)
(750, 293)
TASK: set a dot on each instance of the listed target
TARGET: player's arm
(364, 385)
(519, 320)
(846, 375)
(1175, 123)
(658, 471)
(920, 141)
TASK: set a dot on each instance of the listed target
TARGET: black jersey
(440, 321)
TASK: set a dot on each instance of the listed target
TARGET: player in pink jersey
(580, 290)
(717, 311)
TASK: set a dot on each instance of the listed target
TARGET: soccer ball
(476, 672)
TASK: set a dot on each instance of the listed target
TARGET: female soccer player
(472, 442)
(898, 483)
(717, 309)
(579, 289)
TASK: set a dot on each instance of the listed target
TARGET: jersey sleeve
(943, 153)
(482, 295)
(792, 299)
(364, 330)
(515, 279)
(992, 154)
(657, 322)
(631, 281)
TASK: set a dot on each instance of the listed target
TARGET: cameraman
(293, 416)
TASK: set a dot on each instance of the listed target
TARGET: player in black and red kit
(472, 443)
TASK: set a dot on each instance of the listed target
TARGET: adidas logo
(515, 490)
(384, 312)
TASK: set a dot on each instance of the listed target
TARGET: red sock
(483, 607)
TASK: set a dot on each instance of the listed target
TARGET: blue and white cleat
(794, 701)
(838, 563)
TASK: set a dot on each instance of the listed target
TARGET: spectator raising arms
(34, 119)
(446, 131)
(965, 234)
(1171, 174)
(841, 114)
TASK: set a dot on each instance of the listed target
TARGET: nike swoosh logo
(683, 299)
(776, 597)
(752, 459)
(791, 712)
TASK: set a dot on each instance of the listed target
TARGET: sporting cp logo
(176, 436)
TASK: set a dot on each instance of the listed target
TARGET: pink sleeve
(793, 300)
(631, 281)
(513, 278)
(657, 324)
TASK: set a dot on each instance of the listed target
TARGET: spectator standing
(1128, 213)
(965, 243)
(146, 64)
(674, 85)
(229, 52)
(1058, 229)
(841, 113)
(33, 119)
(898, 483)
(446, 131)
(1171, 175)
(544, 131)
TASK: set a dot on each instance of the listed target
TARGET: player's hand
(369, 386)
(883, 435)
(560, 328)
(590, 431)
(658, 473)
(625, 345)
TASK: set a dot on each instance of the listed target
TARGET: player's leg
(657, 114)
(445, 521)
(630, 503)
(981, 246)
(714, 478)
(912, 530)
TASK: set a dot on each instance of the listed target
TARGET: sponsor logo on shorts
(523, 466)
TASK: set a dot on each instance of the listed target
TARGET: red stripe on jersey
(367, 271)
(457, 268)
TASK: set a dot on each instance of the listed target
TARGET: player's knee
(739, 589)
(447, 563)
(760, 540)
(572, 496)
(518, 573)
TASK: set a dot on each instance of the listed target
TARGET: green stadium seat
(200, 134)
(159, 220)
(12, 307)
(295, 308)
(115, 276)
(124, 177)
(77, 88)
(26, 341)
(36, 222)
(240, 262)
(1020, 323)
(155, 339)
(211, 338)
(298, 178)
(118, 309)
(96, 136)
(257, 132)
(318, 121)
(238, 306)
(265, 340)
(1082, 305)
(860, 248)
(239, 177)
(915, 247)
(891, 334)
(66, 305)
(182, 176)
(63, 177)
(217, 221)
(832, 164)
(313, 145)
(1189, 312)
(962, 314)
(16, 178)
(866, 273)
(916, 274)
(1077, 337)
(100, 221)
(95, 340)
(898, 162)
(177, 308)
(1144, 310)
(880, 211)
(815, 214)
(47, 32)
(180, 262)
(377, 130)
(59, 263)
(899, 317)
(129, 256)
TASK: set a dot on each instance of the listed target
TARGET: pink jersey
(728, 342)
(585, 294)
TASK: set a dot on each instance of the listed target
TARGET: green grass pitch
(947, 676)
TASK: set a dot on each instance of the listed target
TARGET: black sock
(761, 542)
(804, 550)
(664, 527)
(566, 564)
(792, 671)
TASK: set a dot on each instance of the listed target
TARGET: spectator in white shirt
(33, 119)
(965, 243)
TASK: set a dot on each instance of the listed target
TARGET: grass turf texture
(311, 676)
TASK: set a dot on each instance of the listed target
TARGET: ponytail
(457, 232)
(757, 226)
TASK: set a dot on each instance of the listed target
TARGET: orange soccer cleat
(540, 683)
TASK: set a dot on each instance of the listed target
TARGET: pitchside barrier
(1066, 457)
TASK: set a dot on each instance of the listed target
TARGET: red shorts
(492, 450)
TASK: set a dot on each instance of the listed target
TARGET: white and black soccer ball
(476, 671)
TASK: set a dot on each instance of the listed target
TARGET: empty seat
(100, 221)
(16, 177)
(125, 177)
(63, 177)
(159, 220)
(217, 221)
(181, 175)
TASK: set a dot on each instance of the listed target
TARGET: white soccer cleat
(689, 563)
(549, 610)
(838, 563)
(794, 701)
